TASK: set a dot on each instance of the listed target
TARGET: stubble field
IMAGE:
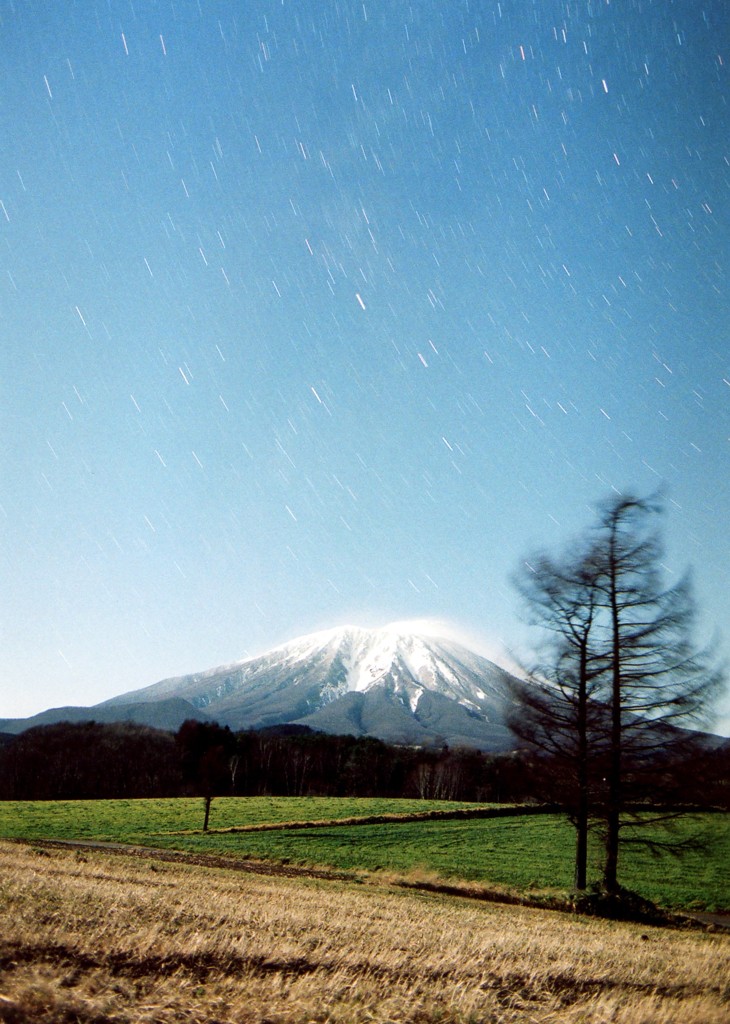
(98, 937)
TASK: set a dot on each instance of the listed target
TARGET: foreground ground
(95, 937)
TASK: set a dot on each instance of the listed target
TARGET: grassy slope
(98, 938)
(521, 853)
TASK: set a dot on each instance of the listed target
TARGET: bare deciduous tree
(624, 676)
(559, 718)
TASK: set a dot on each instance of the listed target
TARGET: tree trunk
(613, 809)
(208, 802)
(581, 817)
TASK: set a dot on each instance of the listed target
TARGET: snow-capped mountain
(400, 686)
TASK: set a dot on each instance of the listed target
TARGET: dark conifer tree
(660, 681)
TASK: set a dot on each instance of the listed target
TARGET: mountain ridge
(395, 684)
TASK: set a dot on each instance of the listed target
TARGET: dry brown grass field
(98, 938)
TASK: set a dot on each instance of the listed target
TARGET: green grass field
(148, 821)
(523, 853)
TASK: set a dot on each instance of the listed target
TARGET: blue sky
(319, 312)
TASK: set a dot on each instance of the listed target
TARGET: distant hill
(168, 714)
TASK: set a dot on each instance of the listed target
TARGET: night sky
(318, 312)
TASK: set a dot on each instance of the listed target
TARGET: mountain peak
(369, 655)
(405, 683)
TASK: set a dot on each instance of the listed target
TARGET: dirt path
(209, 860)
(260, 867)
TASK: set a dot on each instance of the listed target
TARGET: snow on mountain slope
(388, 676)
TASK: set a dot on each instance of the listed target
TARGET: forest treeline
(91, 760)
